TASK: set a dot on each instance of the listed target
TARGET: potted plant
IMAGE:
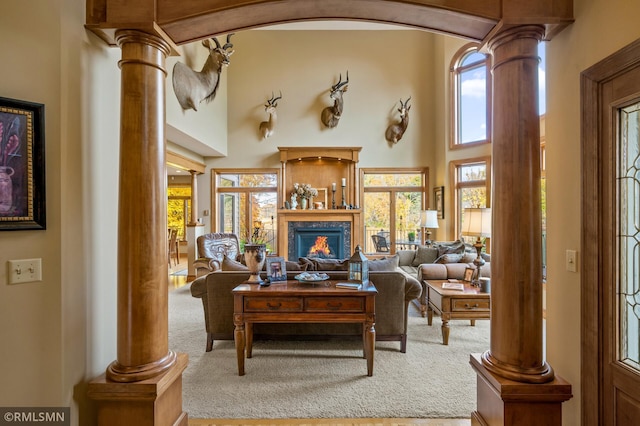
(412, 236)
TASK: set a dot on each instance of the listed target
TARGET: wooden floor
(331, 422)
(177, 281)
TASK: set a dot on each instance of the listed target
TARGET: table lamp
(428, 220)
(477, 223)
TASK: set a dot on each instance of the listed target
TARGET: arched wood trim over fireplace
(144, 383)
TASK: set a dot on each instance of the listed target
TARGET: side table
(469, 303)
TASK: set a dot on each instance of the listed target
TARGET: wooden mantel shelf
(343, 153)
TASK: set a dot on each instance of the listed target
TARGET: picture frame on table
(438, 197)
(468, 275)
(22, 167)
(276, 269)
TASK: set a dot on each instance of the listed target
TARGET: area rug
(287, 379)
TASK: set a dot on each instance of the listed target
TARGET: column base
(503, 401)
(152, 402)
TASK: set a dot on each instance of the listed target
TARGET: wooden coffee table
(292, 301)
(470, 303)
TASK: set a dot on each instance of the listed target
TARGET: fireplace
(329, 240)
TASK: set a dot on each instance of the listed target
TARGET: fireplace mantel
(352, 216)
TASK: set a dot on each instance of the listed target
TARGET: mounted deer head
(395, 131)
(331, 115)
(192, 87)
(267, 127)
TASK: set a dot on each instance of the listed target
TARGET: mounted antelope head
(192, 87)
(267, 127)
(395, 131)
(331, 115)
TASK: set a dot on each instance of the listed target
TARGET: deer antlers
(268, 127)
(395, 131)
(192, 87)
(331, 115)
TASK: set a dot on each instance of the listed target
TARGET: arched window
(471, 97)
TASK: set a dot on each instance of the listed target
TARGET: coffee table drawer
(466, 305)
(275, 304)
(334, 304)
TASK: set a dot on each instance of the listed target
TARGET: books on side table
(352, 286)
(453, 285)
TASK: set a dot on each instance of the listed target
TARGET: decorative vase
(6, 189)
(254, 255)
(303, 204)
(294, 201)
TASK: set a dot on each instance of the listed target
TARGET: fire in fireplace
(320, 248)
(319, 239)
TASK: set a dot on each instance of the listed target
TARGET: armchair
(212, 248)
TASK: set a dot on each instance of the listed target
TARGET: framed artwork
(22, 192)
(276, 269)
(468, 274)
(438, 196)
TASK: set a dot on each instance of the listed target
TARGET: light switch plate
(25, 271)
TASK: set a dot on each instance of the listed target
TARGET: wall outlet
(572, 261)
(25, 271)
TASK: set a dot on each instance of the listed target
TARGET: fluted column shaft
(516, 350)
(194, 198)
(142, 212)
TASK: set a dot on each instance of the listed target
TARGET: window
(471, 99)
(393, 199)
(472, 187)
(178, 208)
(245, 202)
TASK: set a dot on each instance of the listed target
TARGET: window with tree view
(178, 208)
(392, 204)
(471, 187)
(246, 205)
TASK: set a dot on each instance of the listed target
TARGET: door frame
(598, 162)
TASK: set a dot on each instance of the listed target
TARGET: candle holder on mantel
(333, 196)
(343, 205)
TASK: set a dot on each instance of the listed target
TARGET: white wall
(204, 130)
(59, 333)
(601, 28)
(384, 66)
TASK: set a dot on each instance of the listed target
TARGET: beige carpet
(327, 379)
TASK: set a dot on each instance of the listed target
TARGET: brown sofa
(392, 303)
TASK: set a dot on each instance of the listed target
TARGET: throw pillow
(306, 264)
(454, 247)
(330, 264)
(450, 258)
(468, 257)
(425, 254)
(232, 265)
(384, 264)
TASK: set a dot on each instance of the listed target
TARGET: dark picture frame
(468, 274)
(438, 199)
(22, 166)
(276, 269)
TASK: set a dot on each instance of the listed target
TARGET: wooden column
(194, 198)
(142, 230)
(515, 383)
(143, 387)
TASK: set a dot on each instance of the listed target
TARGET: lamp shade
(477, 222)
(429, 219)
